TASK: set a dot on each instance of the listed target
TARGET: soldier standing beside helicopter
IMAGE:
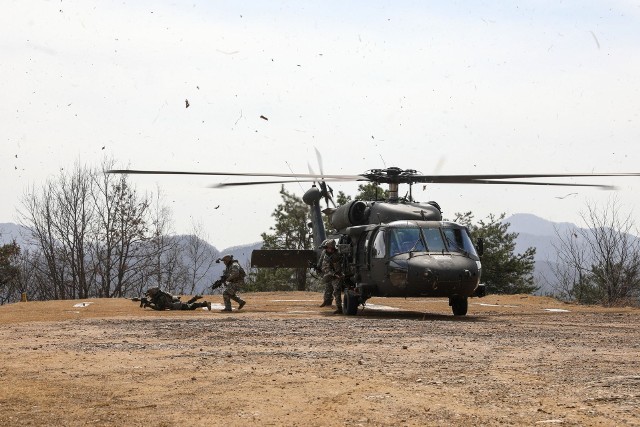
(327, 299)
(331, 267)
(234, 277)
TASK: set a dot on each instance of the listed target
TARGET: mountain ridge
(533, 231)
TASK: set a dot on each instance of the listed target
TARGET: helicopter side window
(363, 244)
(434, 240)
(458, 240)
(379, 248)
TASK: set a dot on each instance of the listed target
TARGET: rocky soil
(282, 360)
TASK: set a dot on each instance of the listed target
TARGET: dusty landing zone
(516, 360)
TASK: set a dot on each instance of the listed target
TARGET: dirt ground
(282, 360)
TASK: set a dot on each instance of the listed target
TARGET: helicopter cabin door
(379, 261)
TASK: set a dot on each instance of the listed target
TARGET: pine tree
(503, 271)
(289, 232)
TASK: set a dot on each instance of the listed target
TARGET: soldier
(328, 286)
(158, 299)
(331, 267)
(234, 276)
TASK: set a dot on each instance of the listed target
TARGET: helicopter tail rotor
(325, 190)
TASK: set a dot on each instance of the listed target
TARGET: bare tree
(165, 267)
(37, 214)
(72, 225)
(199, 256)
(120, 229)
(600, 263)
(91, 230)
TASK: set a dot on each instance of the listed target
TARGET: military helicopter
(396, 247)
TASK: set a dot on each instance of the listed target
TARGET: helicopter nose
(442, 277)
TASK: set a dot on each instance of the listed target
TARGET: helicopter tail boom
(291, 258)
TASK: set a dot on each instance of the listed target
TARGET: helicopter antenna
(289, 166)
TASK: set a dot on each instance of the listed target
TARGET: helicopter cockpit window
(404, 240)
(379, 247)
(458, 240)
(434, 239)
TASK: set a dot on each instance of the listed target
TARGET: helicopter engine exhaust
(312, 198)
(350, 214)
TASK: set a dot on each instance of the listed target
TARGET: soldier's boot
(227, 304)
(194, 299)
(326, 303)
(241, 304)
(338, 310)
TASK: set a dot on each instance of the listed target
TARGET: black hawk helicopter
(396, 247)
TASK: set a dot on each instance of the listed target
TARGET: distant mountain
(539, 233)
(534, 225)
(10, 232)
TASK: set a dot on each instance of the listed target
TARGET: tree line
(95, 235)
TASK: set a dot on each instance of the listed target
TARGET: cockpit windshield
(458, 240)
(430, 239)
(405, 240)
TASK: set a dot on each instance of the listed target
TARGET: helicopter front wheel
(351, 302)
(459, 305)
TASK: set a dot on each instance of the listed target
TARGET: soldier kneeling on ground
(158, 299)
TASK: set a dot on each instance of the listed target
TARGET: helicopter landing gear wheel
(351, 302)
(459, 305)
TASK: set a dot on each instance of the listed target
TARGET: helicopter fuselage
(412, 258)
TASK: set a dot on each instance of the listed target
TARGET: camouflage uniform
(331, 268)
(327, 299)
(158, 299)
(234, 281)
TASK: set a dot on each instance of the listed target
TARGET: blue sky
(454, 87)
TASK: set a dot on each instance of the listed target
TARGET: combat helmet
(329, 243)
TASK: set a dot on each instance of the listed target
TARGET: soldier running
(234, 276)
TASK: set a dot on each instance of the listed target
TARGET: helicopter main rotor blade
(278, 175)
(391, 175)
(453, 179)
(564, 184)
(283, 181)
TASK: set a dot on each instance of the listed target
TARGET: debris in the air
(566, 195)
